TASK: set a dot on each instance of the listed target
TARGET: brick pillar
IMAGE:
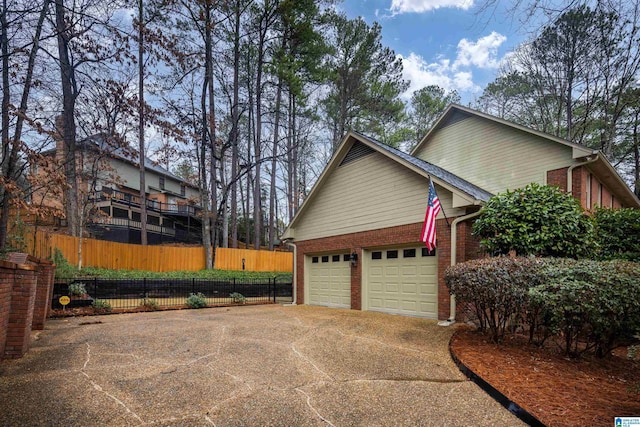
(6, 280)
(356, 281)
(443, 251)
(23, 296)
(44, 293)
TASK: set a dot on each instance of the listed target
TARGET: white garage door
(403, 281)
(330, 280)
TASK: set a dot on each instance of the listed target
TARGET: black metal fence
(133, 293)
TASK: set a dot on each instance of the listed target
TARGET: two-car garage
(394, 280)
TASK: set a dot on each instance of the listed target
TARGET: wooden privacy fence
(104, 254)
(112, 255)
(233, 259)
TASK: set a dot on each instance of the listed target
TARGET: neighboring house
(109, 183)
(357, 235)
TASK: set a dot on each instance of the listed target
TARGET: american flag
(428, 235)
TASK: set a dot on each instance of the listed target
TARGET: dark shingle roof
(433, 170)
(130, 155)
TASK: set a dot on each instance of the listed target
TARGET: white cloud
(483, 53)
(420, 6)
(440, 73)
(457, 74)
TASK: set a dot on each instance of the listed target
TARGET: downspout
(295, 273)
(572, 167)
(454, 252)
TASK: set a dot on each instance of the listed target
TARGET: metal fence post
(193, 285)
(95, 287)
(144, 290)
(274, 289)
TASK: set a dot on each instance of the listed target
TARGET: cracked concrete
(243, 366)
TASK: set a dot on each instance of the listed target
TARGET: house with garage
(357, 235)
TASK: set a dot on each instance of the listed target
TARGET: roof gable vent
(357, 151)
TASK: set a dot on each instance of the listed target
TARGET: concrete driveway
(243, 366)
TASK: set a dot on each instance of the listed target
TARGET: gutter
(454, 253)
(572, 167)
(295, 273)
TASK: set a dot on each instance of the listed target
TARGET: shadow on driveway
(243, 366)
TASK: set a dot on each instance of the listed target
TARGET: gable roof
(455, 112)
(125, 154)
(441, 176)
(601, 166)
(466, 190)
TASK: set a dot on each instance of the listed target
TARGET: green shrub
(77, 289)
(150, 304)
(495, 290)
(238, 298)
(63, 269)
(196, 300)
(101, 306)
(536, 220)
(617, 233)
(593, 304)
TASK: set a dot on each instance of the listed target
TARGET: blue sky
(443, 42)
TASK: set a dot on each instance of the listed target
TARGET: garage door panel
(330, 281)
(403, 285)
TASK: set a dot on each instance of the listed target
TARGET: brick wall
(25, 298)
(558, 177)
(400, 235)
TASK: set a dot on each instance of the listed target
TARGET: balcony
(121, 198)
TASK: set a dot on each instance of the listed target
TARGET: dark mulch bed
(557, 390)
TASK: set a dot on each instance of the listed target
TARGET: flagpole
(442, 207)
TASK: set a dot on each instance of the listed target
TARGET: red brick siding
(400, 235)
(558, 177)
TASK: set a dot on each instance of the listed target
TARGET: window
(376, 255)
(346, 257)
(335, 258)
(427, 252)
(161, 182)
(392, 254)
(325, 258)
(409, 253)
(314, 260)
(183, 190)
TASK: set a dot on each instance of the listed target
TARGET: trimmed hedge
(588, 306)
(617, 233)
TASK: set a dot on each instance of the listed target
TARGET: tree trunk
(257, 203)
(5, 195)
(234, 129)
(274, 164)
(141, 156)
(212, 130)
(68, 131)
